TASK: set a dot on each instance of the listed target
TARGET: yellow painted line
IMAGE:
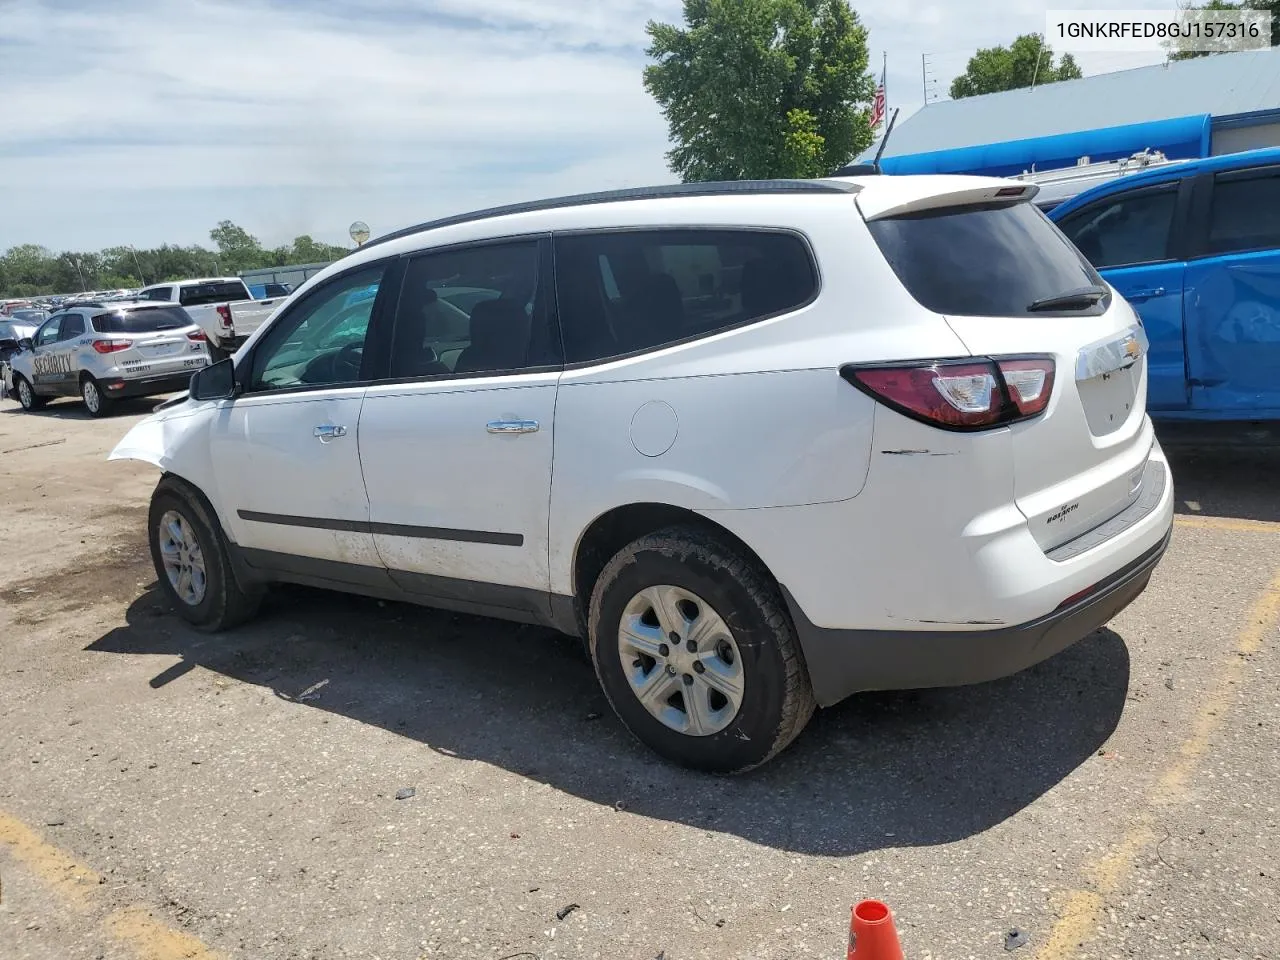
(79, 885)
(1081, 914)
(153, 940)
(1226, 523)
(61, 871)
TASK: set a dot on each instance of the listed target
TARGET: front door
(1129, 238)
(46, 368)
(286, 451)
(456, 445)
(1233, 299)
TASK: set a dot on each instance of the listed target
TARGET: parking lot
(167, 794)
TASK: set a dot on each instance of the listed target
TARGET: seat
(653, 313)
(499, 338)
(411, 355)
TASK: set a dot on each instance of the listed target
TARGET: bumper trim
(149, 386)
(845, 662)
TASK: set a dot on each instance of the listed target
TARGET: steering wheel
(347, 360)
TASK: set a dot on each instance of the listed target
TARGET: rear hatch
(151, 340)
(1010, 284)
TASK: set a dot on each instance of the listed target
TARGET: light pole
(359, 232)
(138, 265)
(75, 263)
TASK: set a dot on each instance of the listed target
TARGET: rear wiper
(1071, 300)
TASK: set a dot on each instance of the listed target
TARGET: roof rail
(705, 189)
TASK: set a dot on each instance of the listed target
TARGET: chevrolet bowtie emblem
(1132, 349)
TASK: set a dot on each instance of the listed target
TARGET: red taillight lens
(198, 336)
(111, 346)
(960, 394)
(224, 314)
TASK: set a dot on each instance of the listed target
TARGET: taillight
(111, 346)
(972, 394)
(197, 337)
(224, 314)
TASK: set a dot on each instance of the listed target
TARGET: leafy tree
(761, 88)
(1026, 61)
(1271, 6)
(29, 270)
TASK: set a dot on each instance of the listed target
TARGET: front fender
(177, 441)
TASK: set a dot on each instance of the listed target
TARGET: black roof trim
(708, 189)
(858, 170)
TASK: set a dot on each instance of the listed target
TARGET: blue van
(1195, 247)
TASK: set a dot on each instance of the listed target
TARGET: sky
(147, 121)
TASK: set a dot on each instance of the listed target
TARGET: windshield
(986, 261)
(142, 320)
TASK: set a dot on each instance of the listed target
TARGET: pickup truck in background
(1195, 247)
(223, 307)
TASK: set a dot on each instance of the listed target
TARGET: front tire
(27, 396)
(95, 401)
(696, 652)
(192, 560)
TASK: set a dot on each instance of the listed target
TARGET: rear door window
(1125, 230)
(201, 294)
(983, 261)
(1244, 212)
(143, 320)
(626, 292)
(72, 327)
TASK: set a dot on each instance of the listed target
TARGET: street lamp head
(359, 232)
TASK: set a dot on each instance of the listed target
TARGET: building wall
(1235, 139)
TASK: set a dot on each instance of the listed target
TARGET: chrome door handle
(512, 426)
(329, 432)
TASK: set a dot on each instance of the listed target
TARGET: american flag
(877, 105)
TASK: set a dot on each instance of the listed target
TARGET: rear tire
(217, 353)
(740, 693)
(27, 396)
(95, 400)
(193, 562)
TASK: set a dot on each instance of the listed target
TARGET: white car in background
(761, 445)
(104, 353)
(222, 307)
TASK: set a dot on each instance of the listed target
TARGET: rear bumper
(844, 662)
(148, 386)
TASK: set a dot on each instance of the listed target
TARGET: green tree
(1025, 62)
(753, 89)
(1270, 6)
(238, 249)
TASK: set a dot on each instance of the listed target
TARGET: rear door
(985, 267)
(1233, 295)
(456, 445)
(71, 340)
(1132, 237)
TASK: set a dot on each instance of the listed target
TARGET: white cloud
(147, 121)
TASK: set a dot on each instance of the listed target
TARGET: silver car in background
(104, 353)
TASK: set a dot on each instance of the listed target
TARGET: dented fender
(177, 441)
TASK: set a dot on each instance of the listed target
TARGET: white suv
(762, 445)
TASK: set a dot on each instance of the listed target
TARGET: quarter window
(321, 341)
(1243, 215)
(1124, 231)
(624, 292)
(471, 310)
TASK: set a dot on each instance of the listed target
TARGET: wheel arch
(612, 530)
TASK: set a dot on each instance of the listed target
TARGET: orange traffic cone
(872, 935)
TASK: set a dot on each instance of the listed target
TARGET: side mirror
(215, 382)
(26, 344)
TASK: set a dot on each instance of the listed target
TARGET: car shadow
(1224, 470)
(879, 770)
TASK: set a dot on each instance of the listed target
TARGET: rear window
(204, 293)
(983, 261)
(142, 320)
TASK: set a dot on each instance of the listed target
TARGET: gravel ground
(166, 794)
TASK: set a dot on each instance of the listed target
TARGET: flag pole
(884, 80)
